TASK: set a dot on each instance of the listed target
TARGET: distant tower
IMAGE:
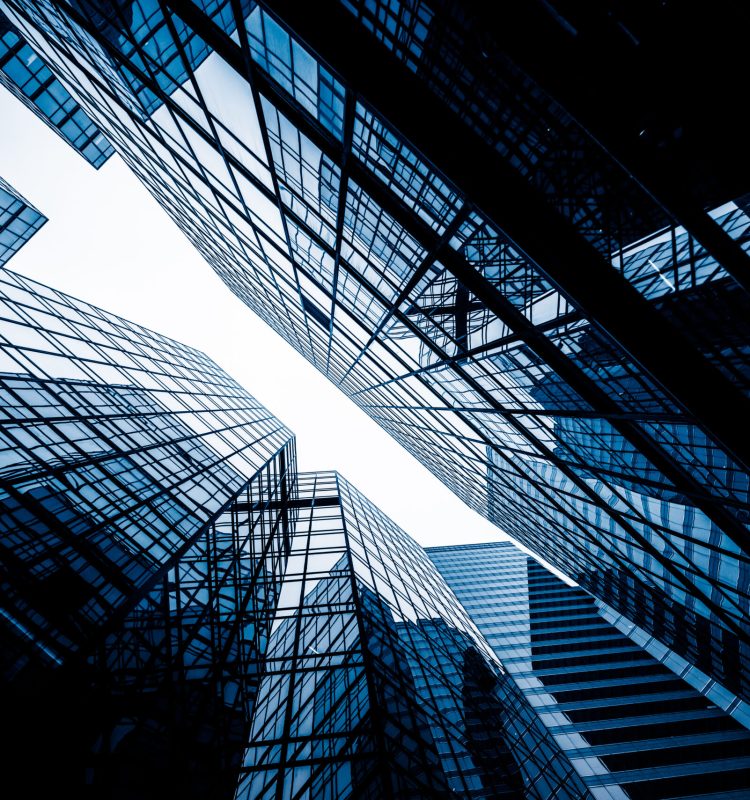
(636, 720)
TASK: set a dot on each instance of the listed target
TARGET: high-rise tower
(144, 530)
(635, 719)
(541, 295)
(376, 683)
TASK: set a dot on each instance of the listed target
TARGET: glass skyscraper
(183, 614)
(132, 438)
(536, 284)
(636, 720)
(533, 310)
(143, 530)
(19, 221)
(377, 683)
(27, 77)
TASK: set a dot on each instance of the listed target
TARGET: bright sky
(109, 243)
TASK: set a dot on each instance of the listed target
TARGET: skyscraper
(183, 614)
(376, 682)
(547, 307)
(635, 719)
(27, 77)
(143, 531)
(19, 221)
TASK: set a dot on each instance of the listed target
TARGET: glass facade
(26, 76)
(160, 699)
(19, 221)
(626, 717)
(377, 684)
(118, 446)
(145, 527)
(558, 341)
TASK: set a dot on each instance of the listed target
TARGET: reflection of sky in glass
(402, 640)
(118, 445)
(19, 221)
(500, 384)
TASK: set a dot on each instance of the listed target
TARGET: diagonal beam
(483, 289)
(572, 264)
(615, 99)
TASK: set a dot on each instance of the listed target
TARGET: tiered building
(635, 719)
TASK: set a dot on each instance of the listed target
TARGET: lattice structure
(554, 322)
(19, 221)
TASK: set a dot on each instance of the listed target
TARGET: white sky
(109, 243)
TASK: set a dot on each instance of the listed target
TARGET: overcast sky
(109, 243)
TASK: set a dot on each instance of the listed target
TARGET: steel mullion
(469, 162)
(527, 332)
(343, 165)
